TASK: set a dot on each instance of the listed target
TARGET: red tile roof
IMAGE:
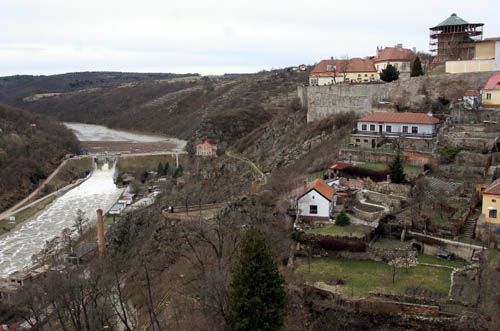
(207, 144)
(322, 188)
(339, 165)
(411, 118)
(394, 54)
(493, 188)
(338, 67)
(494, 82)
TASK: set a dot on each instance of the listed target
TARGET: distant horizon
(213, 37)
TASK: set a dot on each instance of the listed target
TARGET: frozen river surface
(18, 246)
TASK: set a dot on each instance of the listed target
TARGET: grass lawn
(435, 260)
(352, 230)
(25, 215)
(408, 168)
(362, 277)
(133, 164)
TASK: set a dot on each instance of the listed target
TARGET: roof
(454, 20)
(338, 67)
(488, 39)
(206, 143)
(493, 188)
(394, 54)
(493, 83)
(339, 165)
(472, 93)
(411, 118)
(321, 187)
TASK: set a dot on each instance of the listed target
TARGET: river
(98, 191)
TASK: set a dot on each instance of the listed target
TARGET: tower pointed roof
(454, 19)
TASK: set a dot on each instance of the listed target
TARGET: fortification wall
(416, 93)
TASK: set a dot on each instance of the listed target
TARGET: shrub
(416, 68)
(342, 219)
(448, 152)
(341, 244)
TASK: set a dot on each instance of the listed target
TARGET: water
(18, 246)
(91, 132)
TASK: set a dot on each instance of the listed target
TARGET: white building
(316, 203)
(417, 125)
(206, 149)
(399, 57)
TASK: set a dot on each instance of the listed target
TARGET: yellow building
(491, 203)
(330, 72)
(486, 58)
(491, 92)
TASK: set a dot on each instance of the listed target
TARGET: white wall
(398, 127)
(325, 80)
(314, 198)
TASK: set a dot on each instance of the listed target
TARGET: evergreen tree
(389, 74)
(342, 219)
(166, 169)
(160, 169)
(178, 171)
(397, 170)
(416, 68)
(257, 297)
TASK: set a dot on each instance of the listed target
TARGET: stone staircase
(470, 228)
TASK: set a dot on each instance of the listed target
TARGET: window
(405, 129)
(366, 75)
(488, 96)
(359, 75)
(405, 66)
(363, 127)
(493, 213)
(493, 200)
(365, 141)
(372, 127)
(388, 128)
(414, 129)
(357, 140)
(313, 209)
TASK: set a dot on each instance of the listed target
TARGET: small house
(374, 128)
(491, 92)
(399, 57)
(316, 202)
(472, 99)
(329, 72)
(491, 203)
(206, 149)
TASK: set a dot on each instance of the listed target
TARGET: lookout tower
(453, 39)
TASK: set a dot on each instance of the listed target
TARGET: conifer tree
(416, 68)
(160, 169)
(389, 74)
(257, 297)
(166, 169)
(397, 170)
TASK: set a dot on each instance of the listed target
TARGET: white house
(206, 149)
(397, 56)
(316, 202)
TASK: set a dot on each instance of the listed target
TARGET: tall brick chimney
(101, 241)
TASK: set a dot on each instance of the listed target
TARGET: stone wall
(412, 94)
(409, 157)
(431, 246)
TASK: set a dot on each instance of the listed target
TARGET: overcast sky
(214, 36)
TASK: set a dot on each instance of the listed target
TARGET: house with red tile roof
(316, 201)
(206, 149)
(491, 203)
(491, 91)
(328, 72)
(397, 56)
(374, 128)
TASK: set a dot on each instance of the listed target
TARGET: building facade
(316, 202)
(206, 149)
(491, 203)
(329, 72)
(373, 129)
(486, 58)
(397, 56)
(490, 95)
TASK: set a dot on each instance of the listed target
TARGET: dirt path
(6, 214)
(252, 164)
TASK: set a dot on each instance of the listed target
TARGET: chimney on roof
(101, 241)
(414, 49)
(400, 45)
(331, 58)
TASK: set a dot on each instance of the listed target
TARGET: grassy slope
(351, 230)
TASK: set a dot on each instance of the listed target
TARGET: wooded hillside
(31, 147)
